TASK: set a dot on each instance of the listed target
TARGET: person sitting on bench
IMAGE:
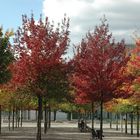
(82, 125)
(94, 134)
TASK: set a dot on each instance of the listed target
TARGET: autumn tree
(100, 67)
(6, 58)
(135, 70)
(39, 48)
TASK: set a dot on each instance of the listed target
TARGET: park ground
(62, 131)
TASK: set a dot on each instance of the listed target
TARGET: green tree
(6, 58)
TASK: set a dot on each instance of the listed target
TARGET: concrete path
(60, 131)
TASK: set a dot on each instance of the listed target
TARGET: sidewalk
(60, 131)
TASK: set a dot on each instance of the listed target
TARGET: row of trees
(6, 58)
(101, 70)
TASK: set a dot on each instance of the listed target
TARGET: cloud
(122, 15)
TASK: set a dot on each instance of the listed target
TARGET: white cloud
(77, 29)
(57, 8)
(98, 4)
(123, 16)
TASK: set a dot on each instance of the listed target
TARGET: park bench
(88, 129)
(99, 134)
(96, 134)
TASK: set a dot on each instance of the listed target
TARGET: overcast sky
(123, 16)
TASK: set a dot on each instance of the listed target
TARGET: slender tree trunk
(54, 115)
(126, 123)
(45, 117)
(110, 114)
(121, 122)
(92, 114)
(131, 123)
(13, 121)
(0, 118)
(36, 114)
(101, 120)
(79, 117)
(28, 114)
(39, 118)
(69, 116)
(21, 117)
(138, 124)
(49, 117)
(9, 119)
(16, 117)
(86, 116)
(117, 121)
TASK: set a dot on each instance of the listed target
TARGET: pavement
(61, 131)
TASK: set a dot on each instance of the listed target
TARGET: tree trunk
(101, 120)
(39, 118)
(79, 118)
(36, 114)
(21, 117)
(0, 118)
(110, 116)
(92, 113)
(79, 115)
(138, 119)
(69, 116)
(131, 123)
(121, 122)
(16, 117)
(126, 123)
(45, 117)
(28, 114)
(117, 121)
(9, 119)
(13, 121)
(54, 115)
(49, 117)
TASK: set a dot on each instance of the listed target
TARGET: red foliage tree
(39, 47)
(100, 67)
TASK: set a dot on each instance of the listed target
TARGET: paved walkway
(60, 131)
